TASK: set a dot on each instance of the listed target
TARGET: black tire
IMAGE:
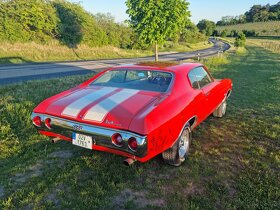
(221, 110)
(174, 156)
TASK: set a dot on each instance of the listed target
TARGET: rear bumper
(101, 136)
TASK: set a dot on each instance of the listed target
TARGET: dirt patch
(2, 192)
(141, 199)
(193, 189)
(37, 169)
(61, 154)
(33, 171)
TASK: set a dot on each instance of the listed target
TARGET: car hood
(106, 106)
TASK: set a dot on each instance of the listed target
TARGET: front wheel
(177, 154)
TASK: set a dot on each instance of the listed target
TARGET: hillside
(271, 28)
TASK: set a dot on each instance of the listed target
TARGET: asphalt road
(24, 72)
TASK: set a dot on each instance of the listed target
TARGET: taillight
(48, 123)
(132, 143)
(37, 121)
(117, 139)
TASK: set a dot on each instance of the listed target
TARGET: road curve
(34, 71)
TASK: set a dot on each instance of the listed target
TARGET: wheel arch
(191, 122)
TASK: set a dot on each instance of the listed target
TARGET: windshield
(157, 81)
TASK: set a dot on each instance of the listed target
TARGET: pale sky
(200, 9)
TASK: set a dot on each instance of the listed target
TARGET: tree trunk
(156, 52)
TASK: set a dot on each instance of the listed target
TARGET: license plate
(82, 140)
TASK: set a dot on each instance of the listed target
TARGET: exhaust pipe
(129, 161)
(55, 140)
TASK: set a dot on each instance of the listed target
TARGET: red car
(137, 111)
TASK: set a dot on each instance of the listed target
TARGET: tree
(240, 40)
(206, 26)
(224, 33)
(156, 20)
(22, 20)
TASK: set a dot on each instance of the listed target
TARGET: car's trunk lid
(107, 106)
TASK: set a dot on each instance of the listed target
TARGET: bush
(44, 20)
(249, 33)
(192, 35)
(224, 33)
(23, 21)
(240, 40)
(234, 33)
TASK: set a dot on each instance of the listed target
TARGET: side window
(193, 79)
(199, 77)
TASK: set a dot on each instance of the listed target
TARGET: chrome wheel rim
(184, 144)
(224, 107)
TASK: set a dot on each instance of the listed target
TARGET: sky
(200, 9)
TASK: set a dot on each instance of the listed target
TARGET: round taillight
(117, 139)
(48, 123)
(37, 121)
(132, 143)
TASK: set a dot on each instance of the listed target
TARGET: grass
(171, 47)
(53, 51)
(13, 53)
(234, 161)
(271, 45)
(271, 28)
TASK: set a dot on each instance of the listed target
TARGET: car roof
(165, 66)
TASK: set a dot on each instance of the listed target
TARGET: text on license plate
(82, 140)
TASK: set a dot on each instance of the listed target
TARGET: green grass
(53, 51)
(13, 53)
(234, 161)
(271, 28)
(184, 47)
(271, 45)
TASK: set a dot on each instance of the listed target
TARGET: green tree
(78, 26)
(206, 26)
(224, 33)
(240, 40)
(156, 20)
(191, 34)
(33, 20)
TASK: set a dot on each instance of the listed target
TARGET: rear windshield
(157, 81)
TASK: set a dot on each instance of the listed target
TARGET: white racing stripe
(100, 110)
(75, 107)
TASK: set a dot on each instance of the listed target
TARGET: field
(53, 51)
(272, 45)
(234, 161)
(271, 28)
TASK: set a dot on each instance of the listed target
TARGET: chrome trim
(101, 136)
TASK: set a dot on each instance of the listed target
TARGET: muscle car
(137, 111)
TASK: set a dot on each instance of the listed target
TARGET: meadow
(15, 53)
(271, 28)
(234, 162)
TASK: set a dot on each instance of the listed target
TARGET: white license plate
(82, 140)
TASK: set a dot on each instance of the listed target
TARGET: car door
(208, 87)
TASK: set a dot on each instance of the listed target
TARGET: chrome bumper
(101, 136)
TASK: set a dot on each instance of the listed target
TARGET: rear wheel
(177, 154)
(221, 110)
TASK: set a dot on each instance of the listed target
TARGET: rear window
(156, 81)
